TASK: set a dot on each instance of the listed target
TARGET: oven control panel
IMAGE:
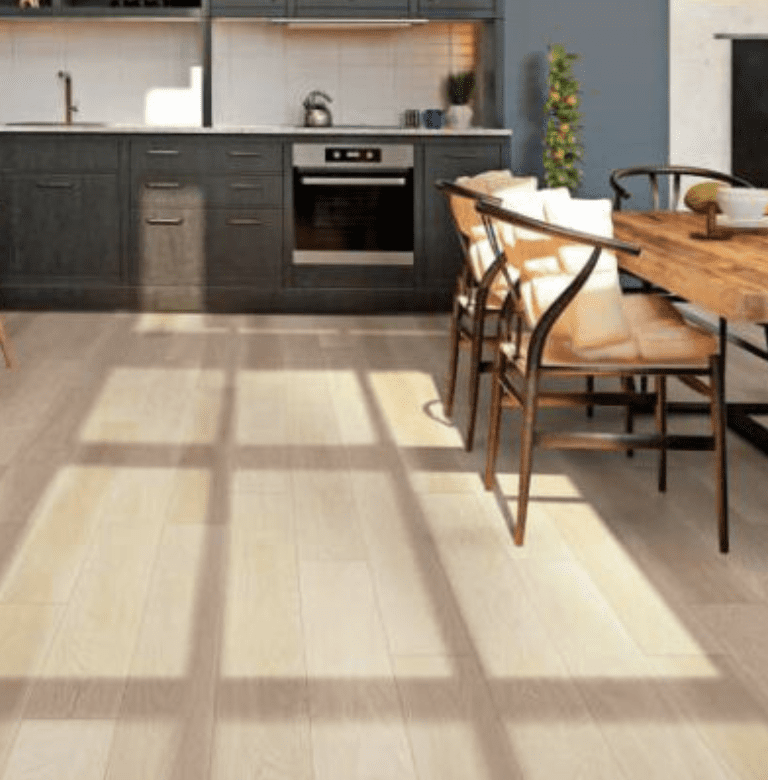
(315, 156)
(353, 154)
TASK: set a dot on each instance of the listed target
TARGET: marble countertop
(53, 127)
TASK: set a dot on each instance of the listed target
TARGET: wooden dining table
(725, 274)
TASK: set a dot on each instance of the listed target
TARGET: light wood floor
(251, 547)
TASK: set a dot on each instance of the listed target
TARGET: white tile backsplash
(150, 73)
(118, 70)
(700, 76)
(372, 76)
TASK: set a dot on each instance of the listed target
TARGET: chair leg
(526, 462)
(478, 339)
(721, 462)
(5, 345)
(629, 420)
(492, 452)
(453, 365)
(661, 429)
(590, 389)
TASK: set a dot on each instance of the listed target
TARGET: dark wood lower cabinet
(441, 254)
(63, 227)
(196, 222)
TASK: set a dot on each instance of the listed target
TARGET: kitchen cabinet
(206, 217)
(447, 159)
(244, 8)
(102, 8)
(61, 208)
(454, 9)
(352, 8)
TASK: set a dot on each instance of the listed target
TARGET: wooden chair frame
(520, 370)
(470, 313)
(6, 346)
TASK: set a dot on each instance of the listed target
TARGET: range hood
(292, 23)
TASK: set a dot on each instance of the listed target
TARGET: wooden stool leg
(5, 344)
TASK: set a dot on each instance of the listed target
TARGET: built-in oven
(353, 213)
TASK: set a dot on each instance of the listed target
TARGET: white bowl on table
(742, 204)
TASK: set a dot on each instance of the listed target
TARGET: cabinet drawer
(243, 154)
(169, 246)
(156, 190)
(54, 152)
(245, 246)
(161, 154)
(244, 190)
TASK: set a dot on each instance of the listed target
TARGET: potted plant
(562, 144)
(460, 88)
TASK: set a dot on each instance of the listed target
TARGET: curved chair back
(673, 173)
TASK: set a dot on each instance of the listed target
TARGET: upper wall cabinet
(454, 9)
(352, 8)
(103, 8)
(254, 8)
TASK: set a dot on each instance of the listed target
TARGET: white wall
(700, 76)
(139, 73)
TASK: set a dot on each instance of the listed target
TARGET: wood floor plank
(161, 730)
(60, 750)
(60, 533)
(26, 631)
(357, 723)
(452, 725)
(85, 670)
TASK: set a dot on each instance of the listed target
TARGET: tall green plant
(562, 144)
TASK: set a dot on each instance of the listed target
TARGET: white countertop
(254, 130)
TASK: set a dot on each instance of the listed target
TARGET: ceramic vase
(459, 117)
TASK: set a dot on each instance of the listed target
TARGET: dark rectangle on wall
(749, 111)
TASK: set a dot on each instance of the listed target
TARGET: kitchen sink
(55, 124)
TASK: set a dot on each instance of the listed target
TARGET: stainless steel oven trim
(353, 181)
(342, 257)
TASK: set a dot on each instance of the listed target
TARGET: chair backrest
(462, 202)
(672, 174)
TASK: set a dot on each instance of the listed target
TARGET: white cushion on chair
(531, 204)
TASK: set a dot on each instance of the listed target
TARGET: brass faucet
(70, 107)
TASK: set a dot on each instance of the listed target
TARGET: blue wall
(623, 69)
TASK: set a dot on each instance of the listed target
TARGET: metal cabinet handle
(162, 185)
(243, 153)
(165, 220)
(55, 185)
(243, 221)
(461, 156)
(163, 151)
(245, 185)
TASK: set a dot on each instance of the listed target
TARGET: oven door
(353, 217)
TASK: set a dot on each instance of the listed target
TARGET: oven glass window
(350, 211)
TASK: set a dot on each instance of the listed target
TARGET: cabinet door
(65, 227)
(245, 247)
(464, 9)
(442, 253)
(352, 8)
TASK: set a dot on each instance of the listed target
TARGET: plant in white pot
(460, 88)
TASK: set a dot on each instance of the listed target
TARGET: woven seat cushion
(659, 336)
